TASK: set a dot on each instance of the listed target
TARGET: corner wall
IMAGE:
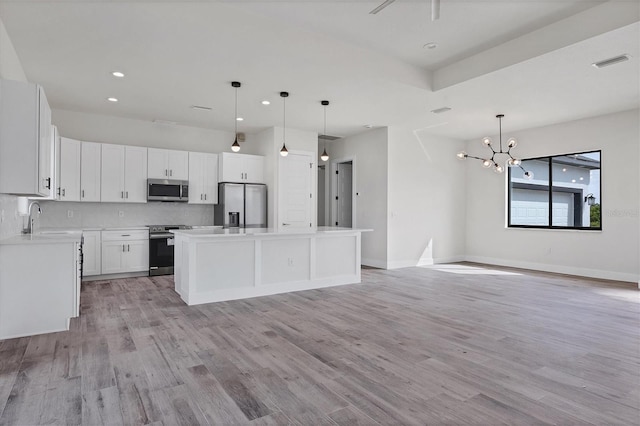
(612, 253)
(369, 152)
(427, 198)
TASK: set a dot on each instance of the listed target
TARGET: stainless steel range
(161, 248)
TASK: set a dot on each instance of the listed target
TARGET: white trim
(559, 269)
(115, 276)
(334, 189)
(375, 263)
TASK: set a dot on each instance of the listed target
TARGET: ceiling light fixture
(239, 119)
(430, 46)
(112, 99)
(284, 151)
(117, 74)
(235, 147)
(492, 162)
(266, 103)
(324, 156)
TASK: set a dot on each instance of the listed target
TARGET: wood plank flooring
(409, 346)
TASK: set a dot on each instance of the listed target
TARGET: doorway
(343, 193)
(322, 196)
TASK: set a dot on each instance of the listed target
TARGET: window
(564, 192)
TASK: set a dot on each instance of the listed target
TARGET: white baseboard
(375, 263)
(560, 269)
(450, 259)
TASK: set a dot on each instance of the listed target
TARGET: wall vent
(611, 61)
(329, 137)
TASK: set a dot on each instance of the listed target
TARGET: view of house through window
(563, 193)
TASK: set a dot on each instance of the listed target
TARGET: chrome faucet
(29, 228)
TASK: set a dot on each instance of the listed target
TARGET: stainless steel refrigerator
(241, 205)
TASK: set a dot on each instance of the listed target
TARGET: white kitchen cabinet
(90, 170)
(69, 184)
(242, 168)
(203, 178)
(26, 143)
(123, 174)
(91, 253)
(125, 251)
(168, 164)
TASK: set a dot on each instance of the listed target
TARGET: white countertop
(46, 237)
(240, 232)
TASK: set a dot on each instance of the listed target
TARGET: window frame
(550, 191)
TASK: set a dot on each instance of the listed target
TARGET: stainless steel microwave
(167, 190)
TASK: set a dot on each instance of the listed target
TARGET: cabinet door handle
(286, 224)
(128, 247)
(83, 193)
(123, 248)
(125, 235)
(64, 192)
(127, 193)
(121, 194)
(200, 197)
(48, 182)
(205, 197)
(59, 191)
(166, 172)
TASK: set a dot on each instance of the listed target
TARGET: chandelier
(497, 156)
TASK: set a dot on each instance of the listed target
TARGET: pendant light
(324, 156)
(284, 151)
(236, 146)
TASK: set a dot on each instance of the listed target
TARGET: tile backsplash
(56, 214)
(10, 223)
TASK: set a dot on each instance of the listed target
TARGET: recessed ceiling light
(430, 46)
(368, 126)
(266, 103)
(112, 99)
(239, 119)
(440, 110)
(117, 74)
(200, 107)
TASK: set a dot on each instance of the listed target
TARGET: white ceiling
(528, 59)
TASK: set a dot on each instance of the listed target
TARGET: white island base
(227, 264)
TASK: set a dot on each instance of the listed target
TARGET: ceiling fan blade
(435, 10)
(382, 6)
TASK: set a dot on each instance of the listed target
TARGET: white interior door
(295, 197)
(345, 194)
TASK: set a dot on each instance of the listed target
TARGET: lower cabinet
(91, 253)
(125, 251)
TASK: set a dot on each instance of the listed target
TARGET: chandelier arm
(477, 158)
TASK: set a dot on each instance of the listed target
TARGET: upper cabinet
(69, 167)
(90, 171)
(123, 174)
(203, 178)
(26, 142)
(241, 168)
(168, 164)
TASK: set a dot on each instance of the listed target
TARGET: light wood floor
(410, 346)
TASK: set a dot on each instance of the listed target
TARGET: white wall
(10, 69)
(427, 199)
(369, 153)
(612, 253)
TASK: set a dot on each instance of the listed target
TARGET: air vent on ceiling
(200, 107)
(328, 137)
(440, 110)
(611, 61)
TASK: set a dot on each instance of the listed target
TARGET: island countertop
(240, 232)
(213, 265)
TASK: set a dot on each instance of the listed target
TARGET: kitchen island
(213, 265)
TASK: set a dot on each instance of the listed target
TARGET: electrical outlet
(69, 213)
(120, 213)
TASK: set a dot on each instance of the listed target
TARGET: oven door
(161, 254)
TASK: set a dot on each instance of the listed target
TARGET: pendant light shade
(235, 147)
(324, 156)
(284, 151)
